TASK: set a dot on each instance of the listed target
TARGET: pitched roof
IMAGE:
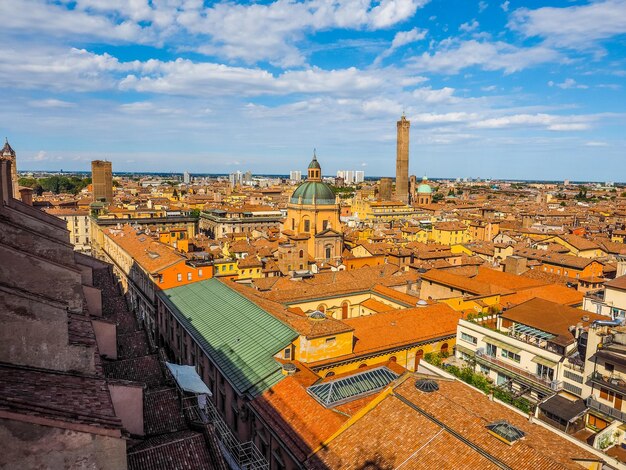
(447, 430)
(69, 397)
(238, 335)
(181, 450)
(554, 292)
(463, 283)
(550, 317)
(398, 327)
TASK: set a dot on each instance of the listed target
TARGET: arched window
(362, 366)
(329, 250)
(301, 253)
(321, 308)
(444, 349)
(344, 310)
(418, 357)
(329, 374)
(393, 359)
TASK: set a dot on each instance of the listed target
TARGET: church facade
(313, 212)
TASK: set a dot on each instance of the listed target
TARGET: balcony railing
(520, 373)
(606, 409)
(613, 382)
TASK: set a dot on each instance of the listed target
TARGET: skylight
(345, 389)
(505, 431)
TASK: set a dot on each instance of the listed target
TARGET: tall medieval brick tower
(402, 160)
(102, 181)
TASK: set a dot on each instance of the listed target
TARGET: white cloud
(469, 27)
(34, 17)
(185, 77)
(482, 6)
(596, 143)
(569, 83)
(505, 5)
(59, 69)
(51, 103)
(402, 38)
(548, 121)
(276, 28)
(452, 56)
(427, 95)
(489, 88)
(576, 26)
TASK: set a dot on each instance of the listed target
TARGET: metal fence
(240, 455)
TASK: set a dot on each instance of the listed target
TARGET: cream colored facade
(79, 226)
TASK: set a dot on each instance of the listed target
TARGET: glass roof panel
(347, 388)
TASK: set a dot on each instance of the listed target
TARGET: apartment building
(535, 349)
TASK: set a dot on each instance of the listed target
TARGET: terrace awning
(544, 362)
(188, 379)
(502, 344)
(465, 350)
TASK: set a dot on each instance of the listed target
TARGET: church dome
(314, 164)
(424, 188)
(313, 190)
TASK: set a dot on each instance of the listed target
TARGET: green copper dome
(424, 188)
(314, 164)
(310, 190)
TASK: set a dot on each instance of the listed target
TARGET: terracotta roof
(448, 431)
(579, 243)
(617, 283)
(68, 397)
(303, 427)
(462, 283)
(402, 327)
(177, 451)
(162, 412)
(553, 292)
(376, 305)
(505, 280)
(150, 254)
(146, 370)
(550, 317)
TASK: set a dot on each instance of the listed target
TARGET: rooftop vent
(426, 385)
(505, 431)
(421, 303)
(153, 254)
(317, 315)
(288, 368)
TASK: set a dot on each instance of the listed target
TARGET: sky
(493, 89)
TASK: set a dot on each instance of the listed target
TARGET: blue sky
(494, 89)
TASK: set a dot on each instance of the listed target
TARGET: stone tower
(102, 181)
(8, 153)
(402, 160)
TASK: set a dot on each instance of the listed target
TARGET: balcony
(606, 409)
(614, 382)
(524, 376)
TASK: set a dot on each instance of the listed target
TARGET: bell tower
(402, 160)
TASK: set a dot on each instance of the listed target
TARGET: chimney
(26, 195)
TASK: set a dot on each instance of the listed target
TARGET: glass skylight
(505, 431)
(348, 388)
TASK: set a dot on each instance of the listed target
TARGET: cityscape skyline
(493, 89)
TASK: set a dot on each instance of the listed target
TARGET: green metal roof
(313, 190)
(238, 335)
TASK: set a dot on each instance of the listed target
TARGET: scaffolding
(239, 455)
